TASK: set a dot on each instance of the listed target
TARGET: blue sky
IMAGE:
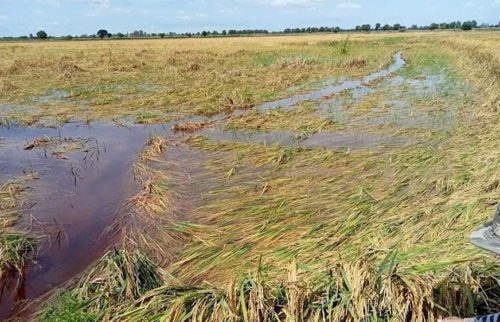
(61, 17)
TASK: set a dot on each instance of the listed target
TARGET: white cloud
(99, 3)
(59, 3)
(292, 3)
(182, 15)
(348, 5)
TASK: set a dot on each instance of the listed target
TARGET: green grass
(15, 245)
(68, 308)
(425, 61)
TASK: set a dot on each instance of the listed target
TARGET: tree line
(103, 33)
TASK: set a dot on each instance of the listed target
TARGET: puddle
(334, 89)
(351, 140)
(402, 110)
(17, 108)
(271, 138)
(75, 199)
(54, 96)
(402, 115)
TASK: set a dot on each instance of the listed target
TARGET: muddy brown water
(77, 198)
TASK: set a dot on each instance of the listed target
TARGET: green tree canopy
(102, 33)
(42, 35)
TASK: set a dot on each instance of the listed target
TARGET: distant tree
(377, 26)
(109, 35)
(474, 23)
(31, 36)
(414, 27)
(162, 35)
(23, 37)
(205, 33)
(68, 37)
(366, 27)
(101, 33)
(41, 35)
(386, 27)
(224, 32)
(120, 35)
(467, 25)
(397, 26)
(433, 26)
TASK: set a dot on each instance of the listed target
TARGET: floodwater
(75, 200)
(79, 195)
(335, 89)
(348, 140)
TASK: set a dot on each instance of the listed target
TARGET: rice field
(299, 178)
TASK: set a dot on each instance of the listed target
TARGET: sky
(76, 17)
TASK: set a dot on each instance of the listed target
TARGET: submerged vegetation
(230, 228)
(15, 246)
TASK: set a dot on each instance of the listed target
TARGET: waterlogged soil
(85, 176)
(348, 140)
(397, 108)
(331, 90)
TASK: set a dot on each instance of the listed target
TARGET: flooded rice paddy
(77, 195)
(85, 171)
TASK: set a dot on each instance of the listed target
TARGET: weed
(344, 46)
(15, 246)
